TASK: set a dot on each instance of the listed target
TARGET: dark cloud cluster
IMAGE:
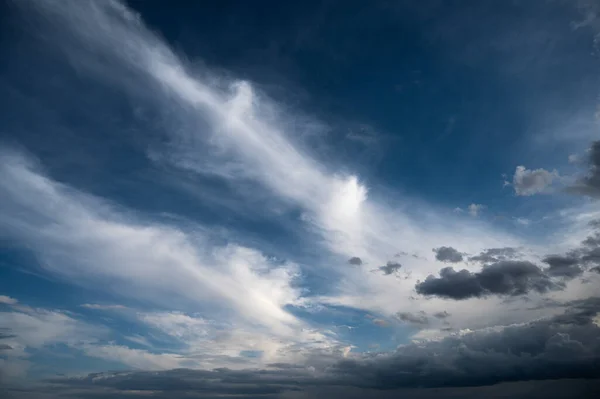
(563, 347)
(563, 266)
(502, 274)
(390, 268)
(508, 278)
(492, 255)
(448, 254)
(566, 346)
(575, 262)
(590, 184)
(355, 260)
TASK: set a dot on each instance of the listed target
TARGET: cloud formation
(507, 277)
(390, 268)
(448, 254)
(527, 182)
(91, 242)
(560, 347)
(355, 260)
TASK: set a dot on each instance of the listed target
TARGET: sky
(299, 200)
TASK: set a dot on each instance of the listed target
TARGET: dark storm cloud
(355, 260)
(590, 184)
(567, 346)
(451, 284)
(563, 266)
(562, 347)
(448, 254)
(592, 256)
(492, 255)
(595, 269)
(508, 278)
(419, 318)
(390, 268)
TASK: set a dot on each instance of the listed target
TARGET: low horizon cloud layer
(214, 239)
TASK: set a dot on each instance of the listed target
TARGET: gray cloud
(355, 260)
(448, 254)
(508, 278)
(441, 315)
(419, 318)
(563, 347)
(590, 184)
(390, 268)
(528, 182)
(563, 266)
(491, 255)
(5, 333)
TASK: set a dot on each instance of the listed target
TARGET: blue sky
(231, 186)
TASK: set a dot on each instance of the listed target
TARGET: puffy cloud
(6, 300)
(448, 254)
(355, 260)
(390, 267)
(528, 182)
(500, 278)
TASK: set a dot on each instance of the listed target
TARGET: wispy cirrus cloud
(91, 242)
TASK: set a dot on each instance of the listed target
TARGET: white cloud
(6, 300)
(36, 328)
(90, 243)
(476, 209)
(528, 182)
